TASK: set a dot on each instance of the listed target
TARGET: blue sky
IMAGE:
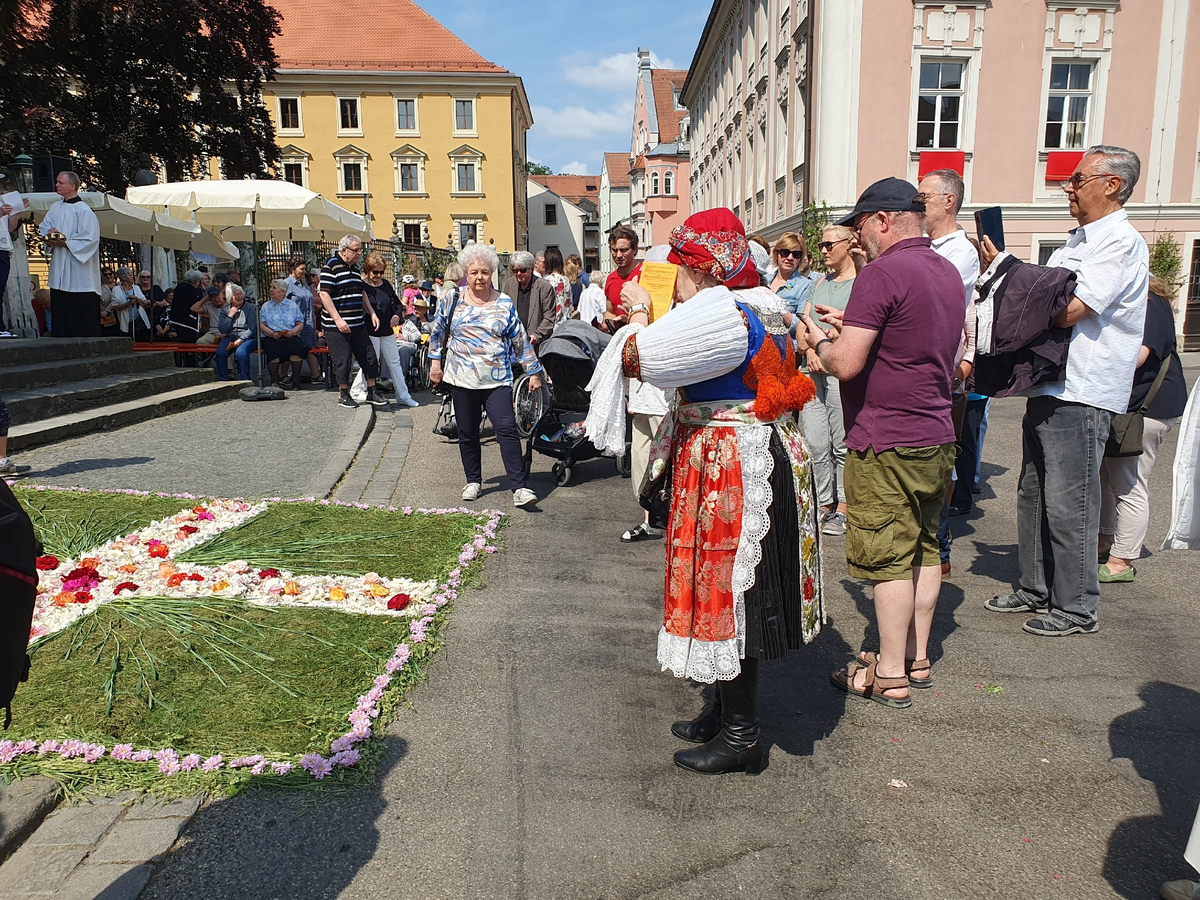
(578, 61)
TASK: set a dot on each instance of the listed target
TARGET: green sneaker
(1107, 576)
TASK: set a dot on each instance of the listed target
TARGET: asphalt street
(535, 762)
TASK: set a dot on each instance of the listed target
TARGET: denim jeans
(1058, 506)
(241, 354)
(825, 434)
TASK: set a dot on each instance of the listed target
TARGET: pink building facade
(795, 101)
(659, 154)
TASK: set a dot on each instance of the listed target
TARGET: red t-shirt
(612, 287)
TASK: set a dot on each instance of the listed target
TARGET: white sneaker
(471, 491)
(409, 402)
(523, 497)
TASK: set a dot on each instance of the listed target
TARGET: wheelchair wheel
(528, 405)
(423, 381)
(561, 473)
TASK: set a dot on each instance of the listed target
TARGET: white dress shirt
(957, 249)
(1112, 264)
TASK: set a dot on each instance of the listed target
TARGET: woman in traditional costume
(743, 580)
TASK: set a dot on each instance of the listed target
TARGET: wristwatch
(638, 308)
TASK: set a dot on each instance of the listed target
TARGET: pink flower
(316, 765)
(8, 751)
(346, 758)
(345, 742)
(281, 768)
(382, 681)
(50, 746)
(259, 768)
(25, 747)
(212, 763)
(190, 762)
(142, 755)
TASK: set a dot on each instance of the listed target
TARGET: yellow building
(392, 114)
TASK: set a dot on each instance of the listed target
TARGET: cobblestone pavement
(230, 449)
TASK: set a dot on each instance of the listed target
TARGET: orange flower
(65, 598)
(378, 590)
(337, 594)
(165, 570)
(118, 545)
(90, 563)
(220, 586)
(181, 535)
(128, 568)
(292, 589)
(176, 580)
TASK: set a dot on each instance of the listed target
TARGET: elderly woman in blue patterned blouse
(485, 340)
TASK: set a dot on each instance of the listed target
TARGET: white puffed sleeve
(704, 338)
(605, 422)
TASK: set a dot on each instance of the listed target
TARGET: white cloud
(614, 73)
(578, 123)
(574, 168)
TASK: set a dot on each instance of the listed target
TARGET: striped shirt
(345, 287)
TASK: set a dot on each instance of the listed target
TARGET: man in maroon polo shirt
(893, 353)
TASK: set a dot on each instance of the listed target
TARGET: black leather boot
(737, 747)
(705, 726)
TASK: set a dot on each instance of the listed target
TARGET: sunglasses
(376, 272)
(1077, 180)
(790, 254)
(829, 245)
(519, 270)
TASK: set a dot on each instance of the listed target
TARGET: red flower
(268, 573)
(199, 509)
(195, 576)
(47, 563)
(189, 529)
(159, 550)
(83, 596)
(176, 580)
(125, 586)
(399, 602)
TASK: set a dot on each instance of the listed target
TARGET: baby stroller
(569, 357)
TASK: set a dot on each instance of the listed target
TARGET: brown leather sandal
(874, 685)
(870, 656)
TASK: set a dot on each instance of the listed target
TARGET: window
(406, 115)
(466, 177)
(352, 178)
(551, 214)
(464, 115)
(409, 178)
(939, 104)
(467, 231)
(294, 172)
(1046, 248)
(1067, 106)
(412, 233)
(289, 114)
(348, 114)
(668, 184)
(654, 184)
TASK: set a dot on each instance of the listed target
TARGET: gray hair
(349, 241)
(279, 283)
(541, 255)
(123, 271)
(232, 289)
(522, 259)
(478, 253)
(951, 183)
(192, 275)
(71, 177)
(1122, 163)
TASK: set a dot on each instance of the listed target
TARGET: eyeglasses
(519, 270)
(1077, 180)
(828, 245)
(788, 254)
(376, 272)
(925, 198)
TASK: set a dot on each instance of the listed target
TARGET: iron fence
(422, 262)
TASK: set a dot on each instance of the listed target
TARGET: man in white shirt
(1066, 423)
(72, 232)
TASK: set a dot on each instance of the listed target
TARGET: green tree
(105, 81)
(816, 217)
(1166, 259)
(532, 168)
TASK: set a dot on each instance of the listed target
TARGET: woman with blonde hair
(572, 269)
(1159, 386)
(822, 419)
(385, 338)
(789, 283)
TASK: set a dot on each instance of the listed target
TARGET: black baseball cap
(885, 195)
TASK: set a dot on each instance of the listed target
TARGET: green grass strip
(71, 523)
(308, 538)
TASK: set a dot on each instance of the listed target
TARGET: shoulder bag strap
(446, 327)
(1162, 373)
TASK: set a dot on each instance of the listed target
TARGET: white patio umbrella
(250, 209)
(124, 221)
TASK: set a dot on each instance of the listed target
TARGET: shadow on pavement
(1160, 740)
(89, 465)
(301, 845)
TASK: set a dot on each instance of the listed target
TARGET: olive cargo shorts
(894, 500)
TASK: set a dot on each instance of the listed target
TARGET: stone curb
(356, 434)
(24, 805)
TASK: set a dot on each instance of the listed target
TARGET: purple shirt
(913, 298)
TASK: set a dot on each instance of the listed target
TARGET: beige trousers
(644, 429)
(1125, 492)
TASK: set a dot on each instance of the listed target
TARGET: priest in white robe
(73, 232)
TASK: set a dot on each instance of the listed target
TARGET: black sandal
(642, 533)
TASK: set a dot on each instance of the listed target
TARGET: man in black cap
(893, 353)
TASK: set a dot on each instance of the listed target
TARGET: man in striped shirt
(344, 311)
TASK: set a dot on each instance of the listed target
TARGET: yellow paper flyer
(659, 279)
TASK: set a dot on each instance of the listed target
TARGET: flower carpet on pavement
(229, 642)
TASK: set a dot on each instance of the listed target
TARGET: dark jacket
(386, 304)
(1027, 349)
(539, 319)
(19, 550)
(242, 326)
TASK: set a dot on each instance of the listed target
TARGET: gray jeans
(825, 433)
(1058, 506)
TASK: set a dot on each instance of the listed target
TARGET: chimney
(643, 58)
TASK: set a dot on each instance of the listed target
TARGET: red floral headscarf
(713, 241)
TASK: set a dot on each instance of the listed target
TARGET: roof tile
(665, 82)
(570, 187)
(618, 169)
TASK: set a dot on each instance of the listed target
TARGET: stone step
(118, 415)
(32, 405)
(29, 351)
(21, 378)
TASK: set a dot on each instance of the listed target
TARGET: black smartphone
(990, 223)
